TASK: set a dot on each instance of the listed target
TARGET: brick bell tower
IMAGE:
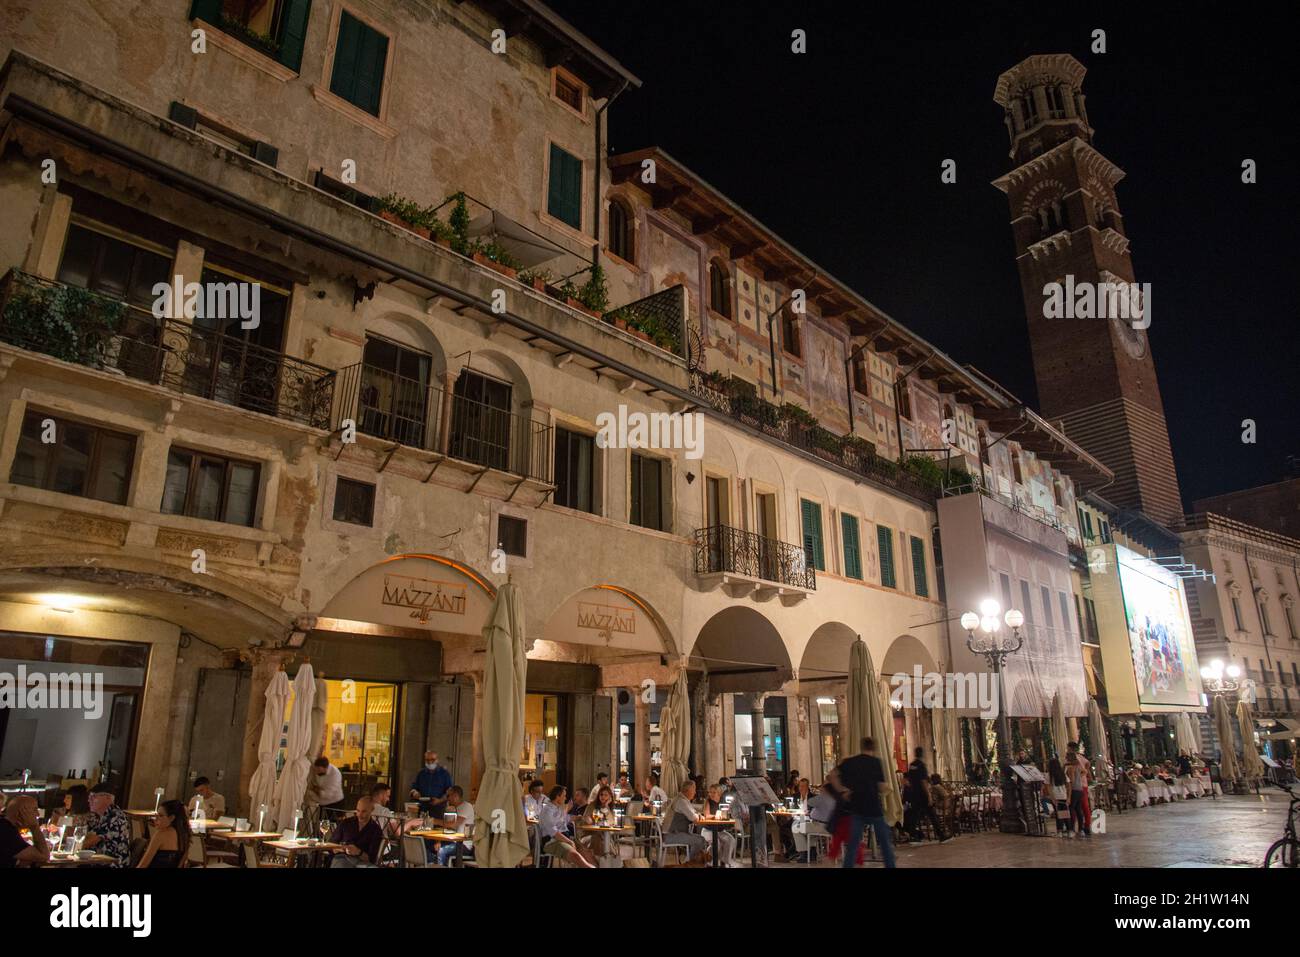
(1095, 375)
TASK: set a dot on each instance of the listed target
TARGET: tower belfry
(1094, 372)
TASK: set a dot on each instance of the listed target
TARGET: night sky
(839, 152)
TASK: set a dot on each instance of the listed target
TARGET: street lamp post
(995, 646)
(1219, 680)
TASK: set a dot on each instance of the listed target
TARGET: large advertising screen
(1160, 634)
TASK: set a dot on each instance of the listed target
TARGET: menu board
(752, 792)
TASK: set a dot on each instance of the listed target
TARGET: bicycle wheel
(1285, 853)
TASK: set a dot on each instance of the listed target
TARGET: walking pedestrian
(1076, 774)
(919, 803)
(863, 779)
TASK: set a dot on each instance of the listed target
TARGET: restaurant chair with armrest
(200, 855)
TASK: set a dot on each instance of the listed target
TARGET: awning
(530, 248)
(1279, 728)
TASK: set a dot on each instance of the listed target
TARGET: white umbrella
(1059, 730)
(318, 705)
(955, 758)
(261, 787)
(500, 831)
(675, 736)
(1252, 766)
(298, 749)
(1183, 739)
(1223, 728)
(1100, 743)
(947, 745)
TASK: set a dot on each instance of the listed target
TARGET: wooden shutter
(582, 767)
(343, 79)
(885, 543)
(464, 765)
(852, 547)
(372, 55)
(564, 188)
(266, 153)
(918, 568)
(296, 15)
(812, 533)
(602, 736)
(444, 703)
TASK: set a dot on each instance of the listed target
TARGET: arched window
(620, 231)
(719, 289)
(902, 397)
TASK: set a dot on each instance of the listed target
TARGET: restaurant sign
(606, 620)
(423, 596)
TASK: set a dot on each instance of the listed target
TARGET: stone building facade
(411, 420)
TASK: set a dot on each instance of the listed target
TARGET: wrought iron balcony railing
(77, 325)
(721, 548)
(419, 415)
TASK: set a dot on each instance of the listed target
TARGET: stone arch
(824, 664)
(410, 331)
(904, 653)
(607, 615)
(741, 651)
(498, 365)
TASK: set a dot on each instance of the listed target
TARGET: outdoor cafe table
(441, 836)
(716, 824)
(293, 848)
(606, 832)
(74, 860)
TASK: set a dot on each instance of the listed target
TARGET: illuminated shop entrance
(541, 752)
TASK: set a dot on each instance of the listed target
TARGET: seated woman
(170, 842)
(726, 840)
(75, 809)
(600, 813)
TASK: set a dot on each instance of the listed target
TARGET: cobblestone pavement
(1232, 831)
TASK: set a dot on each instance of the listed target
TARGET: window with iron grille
(512, 535)
(82, 460)
(354, 502)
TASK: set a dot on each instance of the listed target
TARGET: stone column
(476, 761)
(756, 716)
(1040, 101)
(444, 415)
(265, 665)
(1067, 101)
(641, 737)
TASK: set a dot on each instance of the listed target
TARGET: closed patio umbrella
(1059, 727)
(318, 705)
(869, 717)
(298, 749)
(1183, 739)
(1252, 766)
(1100, 743)
(675, 736)
(500, 831)
(261, 787)
(1223, 728)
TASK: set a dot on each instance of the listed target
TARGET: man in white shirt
(651, 792)
(681, 815)
(463, 823)
(325, 784)
(212, 803)
(534, 799)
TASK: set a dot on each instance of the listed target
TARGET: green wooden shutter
(371, 58)
(812, 534)
(852, 547)
(918, 568)
(885, 543)
(209, 10)
(294, 32)
(343, 79)
(564, 188)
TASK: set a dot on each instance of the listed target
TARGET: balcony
(732, 556)
(418, 415)
(919, 477)
(89, 329)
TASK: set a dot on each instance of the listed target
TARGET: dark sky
(839, 152)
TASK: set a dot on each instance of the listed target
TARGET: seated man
(213, 805)
(681, 815)
(108, 830)
(534, 799)
(552, 822)
(20, 813)
(462, 823)
(360, 836)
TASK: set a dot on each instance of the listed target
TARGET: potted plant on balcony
(65, 322)
(925, 469)
(825, 443)
(494, 256)
(798, 415)
(405, 213)
(458, 220)
(593, 297)
(539, 279)
(716, 381)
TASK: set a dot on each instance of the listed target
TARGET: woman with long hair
(600, 813)
(1058, 789)
(170, 842)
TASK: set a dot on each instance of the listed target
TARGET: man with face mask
(431, 784)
